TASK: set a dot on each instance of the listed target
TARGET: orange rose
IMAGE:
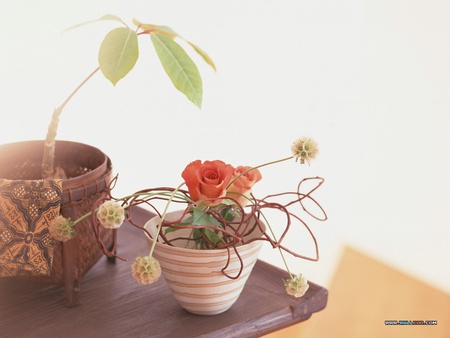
(241, 188)
(207, 180)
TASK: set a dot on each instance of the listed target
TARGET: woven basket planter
(90, 173)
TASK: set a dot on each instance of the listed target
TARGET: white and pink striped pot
(195, 276)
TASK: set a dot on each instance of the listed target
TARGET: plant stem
(162, 218)
(48, 169)
(257, 167)
(172, 195)
(83, 217)
(281, 252)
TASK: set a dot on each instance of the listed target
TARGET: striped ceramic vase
(195, 276)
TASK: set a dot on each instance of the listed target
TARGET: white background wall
(369, 80)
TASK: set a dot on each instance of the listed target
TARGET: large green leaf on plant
(170, 33)
(118, 53)
(180, 68)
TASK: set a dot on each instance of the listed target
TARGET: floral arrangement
(220, 211)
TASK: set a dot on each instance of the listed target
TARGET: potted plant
(41, 179)
(206, 249)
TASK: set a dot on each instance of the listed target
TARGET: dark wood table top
(113, 304)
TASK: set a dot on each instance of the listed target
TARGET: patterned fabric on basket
(26, 209)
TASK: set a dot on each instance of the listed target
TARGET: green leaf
(164, 30)
(169, 230)
(187, 221)
(170, 33)
(203, 54)
(197, 234)
(110, 17)
(180, 68)
(228, 214)
(118, 53)
(167, 31)
(200, 217)
(104, 17)
(212, 236)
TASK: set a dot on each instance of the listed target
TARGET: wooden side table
(115, 305)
